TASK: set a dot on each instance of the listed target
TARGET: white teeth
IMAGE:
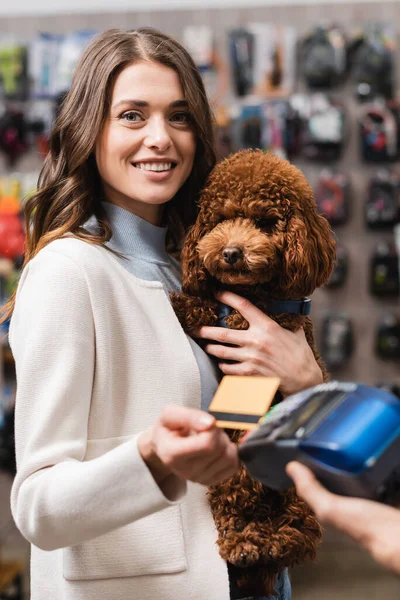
(154, 166)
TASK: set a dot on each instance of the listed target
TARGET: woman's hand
(187, 443)
(265, 348)
(374, 526)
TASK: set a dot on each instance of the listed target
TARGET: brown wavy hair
(69, 186)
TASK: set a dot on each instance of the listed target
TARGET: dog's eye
(267, 224)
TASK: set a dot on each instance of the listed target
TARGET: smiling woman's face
(146, 149)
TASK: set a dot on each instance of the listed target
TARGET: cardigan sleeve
(57, 498)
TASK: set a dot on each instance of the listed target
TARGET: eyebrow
(143, 104)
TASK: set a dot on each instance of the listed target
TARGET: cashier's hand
(264, 349)
(375, 526)
(187, 443)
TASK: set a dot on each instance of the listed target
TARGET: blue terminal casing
(348, 434)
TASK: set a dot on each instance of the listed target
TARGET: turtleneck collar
(133, 236)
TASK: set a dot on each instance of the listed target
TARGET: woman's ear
(310, 254)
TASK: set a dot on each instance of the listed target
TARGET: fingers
(201, 457)
(218, 469)
(226, 352)
(310, 489)
(243, 369)
(222, 335)
(222, 475)
(371, 524)
(346, 514)
(181, 418)
(250, 312)
(206, 445)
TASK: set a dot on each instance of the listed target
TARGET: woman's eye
(131, 116)
(267, 224)
(182, 117)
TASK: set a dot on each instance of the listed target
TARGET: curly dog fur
(257, 234)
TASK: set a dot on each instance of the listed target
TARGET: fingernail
(206, 420)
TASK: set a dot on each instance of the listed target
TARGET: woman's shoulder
(70, 250)
(73, 247)
(56, 273)
(65, 261)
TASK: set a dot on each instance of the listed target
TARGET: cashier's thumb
(186, 420)
(309, 488)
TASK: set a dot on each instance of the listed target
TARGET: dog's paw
(244, 554)
(273, 551)
(251, 547)
(241, 548)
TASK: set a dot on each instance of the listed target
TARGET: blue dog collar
(274, 307)
(300, 307)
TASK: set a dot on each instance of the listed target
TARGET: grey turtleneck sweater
(143, 246)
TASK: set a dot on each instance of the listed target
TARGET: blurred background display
(316, 82)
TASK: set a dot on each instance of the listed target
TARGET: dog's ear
(195, 277)
(309, 254)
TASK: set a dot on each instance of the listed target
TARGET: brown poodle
(257, 234)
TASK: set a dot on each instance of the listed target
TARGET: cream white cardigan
(98, 354)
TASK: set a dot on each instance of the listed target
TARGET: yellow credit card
(240, 402)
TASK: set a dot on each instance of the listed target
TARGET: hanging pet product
(337, 340)
(274, 59)
(43, 64)
(250, 127)
(323, 57)
(373, 62)
(387, 337)
(273, 125)
(382, 206)
(274, 128)
(200, 43)
(223, 134)
(7, 442)
(340, 272)
(379, 127)
(324, 130)
(281, 128)
(70, 50)
(12, 235)
(241, 45)
(40, 120)
(333, 196)
(384, 271)
(13, 71)
(13, 135)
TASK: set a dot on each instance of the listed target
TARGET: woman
(111, 442)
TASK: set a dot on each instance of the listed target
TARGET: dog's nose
(232, 255)
(243, 559)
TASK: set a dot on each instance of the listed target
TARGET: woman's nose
(157, 135)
